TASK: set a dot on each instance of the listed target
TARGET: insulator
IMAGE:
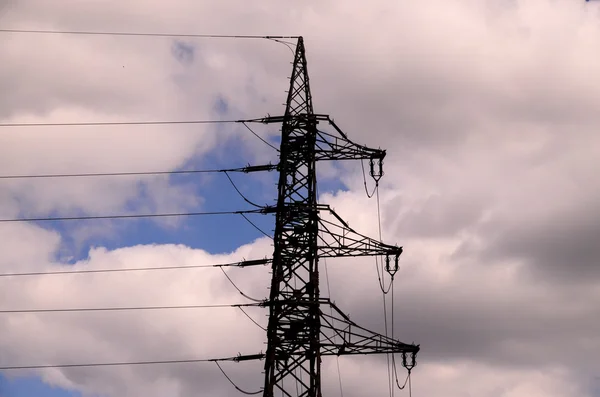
(249, 357)
(388, 268)
(376, 176)
(413, 359)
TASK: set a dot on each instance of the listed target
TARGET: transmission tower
(299, 332)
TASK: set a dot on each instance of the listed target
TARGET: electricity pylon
(299, 332)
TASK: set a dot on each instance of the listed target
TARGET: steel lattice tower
(299, 332)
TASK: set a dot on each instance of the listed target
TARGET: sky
(486, 109)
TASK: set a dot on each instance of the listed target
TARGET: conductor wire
(234, 385)
(239, 290)
(146, 34)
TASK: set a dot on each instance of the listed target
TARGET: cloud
(487, 112)
(183, 52)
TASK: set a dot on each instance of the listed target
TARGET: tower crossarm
(338, 239)
(337, 145)
(341, 336)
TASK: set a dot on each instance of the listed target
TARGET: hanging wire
(285, 43)
(387, 355)
(378, 213)
(333, 318)
(251, 319)
(334, 336)
(236, 386)
(405, 380)
(392, 320)
(241, 194)
(258, 136)
(383, 290)
(249, 202)
(380, 274)
(381, 277)
(296, 368)
(297, 383)
(239, 290)
(256, 227)
(393, 356)
(362, 164)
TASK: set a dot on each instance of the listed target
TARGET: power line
(256, 227)
(255, 262)
(241, 169)
(251, 319)
(131, 363)
(240, 193)
(248, 393)
(239, 290)
(335, 336)
(106, 309)
(73, 218)
(255, 134)
(155, 122)
(141, 122)
(147, 34)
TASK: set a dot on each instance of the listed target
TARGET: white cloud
(486, 109)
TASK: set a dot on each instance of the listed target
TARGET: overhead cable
(132, 363)
(255, 134)
(147, 34)
(109, 309)
(241, 194)
(164, 215)
(269, 167)
(369, 195)
(333, 323)
(142, 122)
(256, 227)
(253, 320)
(236, 386)
(255, 262)
(156, 122)
(239, 290)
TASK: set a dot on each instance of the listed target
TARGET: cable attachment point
(388, 268)
(376, 175)
(248, 357)
(413, 360)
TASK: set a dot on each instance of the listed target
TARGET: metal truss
(299, 333)
(356, 339)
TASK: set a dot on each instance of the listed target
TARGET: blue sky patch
(31, 387)
(183, 52)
